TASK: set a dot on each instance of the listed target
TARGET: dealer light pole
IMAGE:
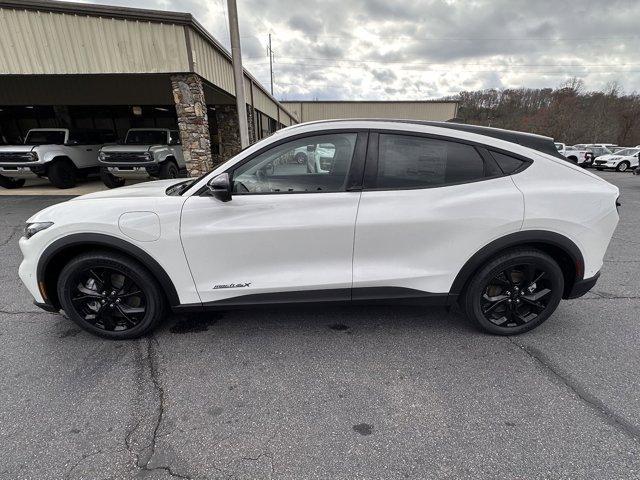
(238, 76)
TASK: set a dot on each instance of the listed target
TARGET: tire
(62, 173)
(623, 166)
(502, 303)
(169, 169)
(10, 183)
(111, 181)
(300, 158)
(141, 303)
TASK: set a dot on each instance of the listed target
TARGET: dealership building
(93, 66)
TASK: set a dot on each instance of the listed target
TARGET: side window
(174, 137)
(415, 162)
(312, 164)
(507, 163)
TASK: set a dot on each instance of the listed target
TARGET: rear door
(428, 204)
(287, 233)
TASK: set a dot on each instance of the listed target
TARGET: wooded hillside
(568, 114)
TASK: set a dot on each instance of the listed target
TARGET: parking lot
(332, 392)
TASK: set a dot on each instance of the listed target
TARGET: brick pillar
(228, 132)
(193, 123)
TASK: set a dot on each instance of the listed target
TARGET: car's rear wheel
(110, 180)
(514, 292)
(8, 182)
(62, 173)
(110, 295)
(623, 166)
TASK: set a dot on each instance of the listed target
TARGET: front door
(287, 234)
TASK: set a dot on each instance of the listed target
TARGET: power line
(431, 37)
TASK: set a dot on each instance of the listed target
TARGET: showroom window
(311, 164)
(417, 162)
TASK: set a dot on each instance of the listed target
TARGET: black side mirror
(220, 187)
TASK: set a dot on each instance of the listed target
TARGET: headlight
(32, 156)
(102, 155)
(148, 156)
(32, 228)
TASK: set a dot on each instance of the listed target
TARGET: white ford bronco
(60, 154)
(145, 152)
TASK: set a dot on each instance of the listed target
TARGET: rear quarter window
(507, 163)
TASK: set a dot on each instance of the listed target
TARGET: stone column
(228, 132)
(193, 123)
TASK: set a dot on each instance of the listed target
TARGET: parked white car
(145, 152)
(417, 212)
(60, 154)
(620, 161)
(582, 157)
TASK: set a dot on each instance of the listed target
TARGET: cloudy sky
(422, 49)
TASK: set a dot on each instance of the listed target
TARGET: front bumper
(47, 307)
(581, 287)
(22, 171)
(133, 171)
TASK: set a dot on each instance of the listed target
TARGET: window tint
(507, 163)
(413, 162)
(174, 137)
(312, 164)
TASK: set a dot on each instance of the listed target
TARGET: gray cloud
(417, 49)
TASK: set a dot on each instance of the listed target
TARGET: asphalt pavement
(333, 392)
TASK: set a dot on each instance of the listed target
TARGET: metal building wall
(54, 43)
(320, 110)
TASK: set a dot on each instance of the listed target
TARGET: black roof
(530, 140)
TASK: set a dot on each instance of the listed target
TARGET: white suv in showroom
(411, 212)
(60, 154)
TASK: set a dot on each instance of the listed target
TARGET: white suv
(621, 161)
(145, 152)
(417, 212)
(60, 154)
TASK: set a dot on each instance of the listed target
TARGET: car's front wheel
(111, 181)
(8, 182)
(515, 292)
(110, 295)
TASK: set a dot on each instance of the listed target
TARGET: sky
(425, 49)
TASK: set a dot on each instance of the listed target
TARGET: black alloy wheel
(110, 295)
(108, 299)
(516, 296)
(515, 292)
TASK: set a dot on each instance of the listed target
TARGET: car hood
(126, 148)
(145, 189)
(16, 148)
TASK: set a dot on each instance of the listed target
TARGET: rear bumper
(583, 286)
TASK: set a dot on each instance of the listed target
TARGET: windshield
(146, 137)
(45, 137)
(628, 152)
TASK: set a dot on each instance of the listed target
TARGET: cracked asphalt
(340, 392)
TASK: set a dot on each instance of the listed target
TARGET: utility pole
(271, 64)
(238, 74)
